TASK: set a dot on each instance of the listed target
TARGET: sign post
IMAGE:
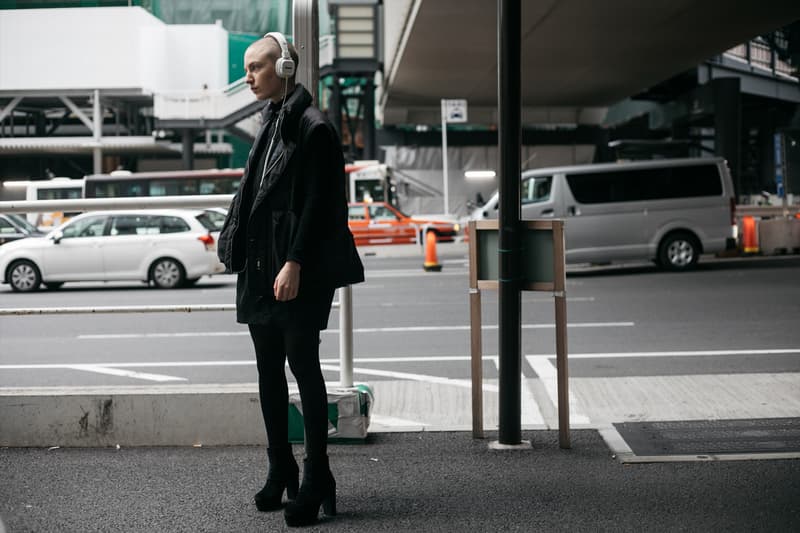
(452, 111)
(543, 269)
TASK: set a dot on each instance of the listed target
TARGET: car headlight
(456, 227)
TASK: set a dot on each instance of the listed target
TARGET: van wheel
(678, 251)
(167, 273)
(24, 276)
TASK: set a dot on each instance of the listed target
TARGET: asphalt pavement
(401, 481)
(425, 481)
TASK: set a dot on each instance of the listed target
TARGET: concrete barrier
(131, 416)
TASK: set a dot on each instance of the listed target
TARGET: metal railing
(345, 303)
(205, 103)
(759, 53)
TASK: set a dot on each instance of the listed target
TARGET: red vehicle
(381, 223)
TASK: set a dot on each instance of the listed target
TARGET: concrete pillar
(188, 149)
(97, 130)
(728, 125)
(368, 127)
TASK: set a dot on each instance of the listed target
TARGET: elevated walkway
(233, 107)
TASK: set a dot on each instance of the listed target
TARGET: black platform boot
(318, 488)
(283, 474)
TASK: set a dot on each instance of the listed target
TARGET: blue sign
(778, 142)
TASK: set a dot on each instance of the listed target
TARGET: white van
(668, 211)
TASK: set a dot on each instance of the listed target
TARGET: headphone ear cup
(284, 68)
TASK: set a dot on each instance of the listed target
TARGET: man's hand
(287, 282)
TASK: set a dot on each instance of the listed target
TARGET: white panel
(111, 47)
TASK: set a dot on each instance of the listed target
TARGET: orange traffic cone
(431, 262)
(749, 235)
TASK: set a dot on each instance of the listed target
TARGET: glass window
(6, 228)
(173, 225)
(134, 225)
(646, 184)
(85, 227)
(381, 212)
(59, 194)
(536, 190)
(356, 212)
(211, 220)
(23, 223)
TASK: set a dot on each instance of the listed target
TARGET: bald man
(286, 236)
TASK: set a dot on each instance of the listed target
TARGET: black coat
(300, 215)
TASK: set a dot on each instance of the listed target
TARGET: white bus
(52, 189)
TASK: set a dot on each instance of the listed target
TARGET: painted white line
(466, 383)
(394, 422)
(124, 373)
(684, 353)
(402, 329)
(530, 414)
(549, 376)
(407, 359)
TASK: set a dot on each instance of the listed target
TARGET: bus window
(168, 183)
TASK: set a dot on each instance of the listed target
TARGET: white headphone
(284, 65)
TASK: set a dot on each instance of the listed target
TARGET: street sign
(454, 110)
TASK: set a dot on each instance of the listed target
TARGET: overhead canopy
(578, 56)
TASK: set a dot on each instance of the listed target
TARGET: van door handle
(547, 212)
(574, 211)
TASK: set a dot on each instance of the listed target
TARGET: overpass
(578, 56)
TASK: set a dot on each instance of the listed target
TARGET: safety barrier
(768, 230)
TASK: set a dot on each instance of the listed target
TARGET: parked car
(15, 227)
(667, 210)
(168, 247)
(381, 223)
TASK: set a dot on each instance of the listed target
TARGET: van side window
(536, 190)
(646, 184)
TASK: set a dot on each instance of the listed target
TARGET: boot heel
(329, 504)
(292, 487)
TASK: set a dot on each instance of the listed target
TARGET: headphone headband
(284, 66)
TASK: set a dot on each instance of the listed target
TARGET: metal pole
(305, 35)
(510, 137)
(97, 123)
(346, 337)
(444, 161)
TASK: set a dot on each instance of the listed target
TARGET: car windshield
(23, 223)
(211, 220)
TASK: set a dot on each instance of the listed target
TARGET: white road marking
(402, 329)
(405, 359)
(548, 375)
(466, 383)
(677, 353)
(124, 373)
(529, 409)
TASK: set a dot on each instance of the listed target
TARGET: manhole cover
(711, 437)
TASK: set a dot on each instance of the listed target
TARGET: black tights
(301, 345)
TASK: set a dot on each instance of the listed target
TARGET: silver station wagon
(167, 247)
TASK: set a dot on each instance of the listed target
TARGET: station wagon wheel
(678, 251)
(24, 276)
(167, 273)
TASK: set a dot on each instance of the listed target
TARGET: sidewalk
(423, 481)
